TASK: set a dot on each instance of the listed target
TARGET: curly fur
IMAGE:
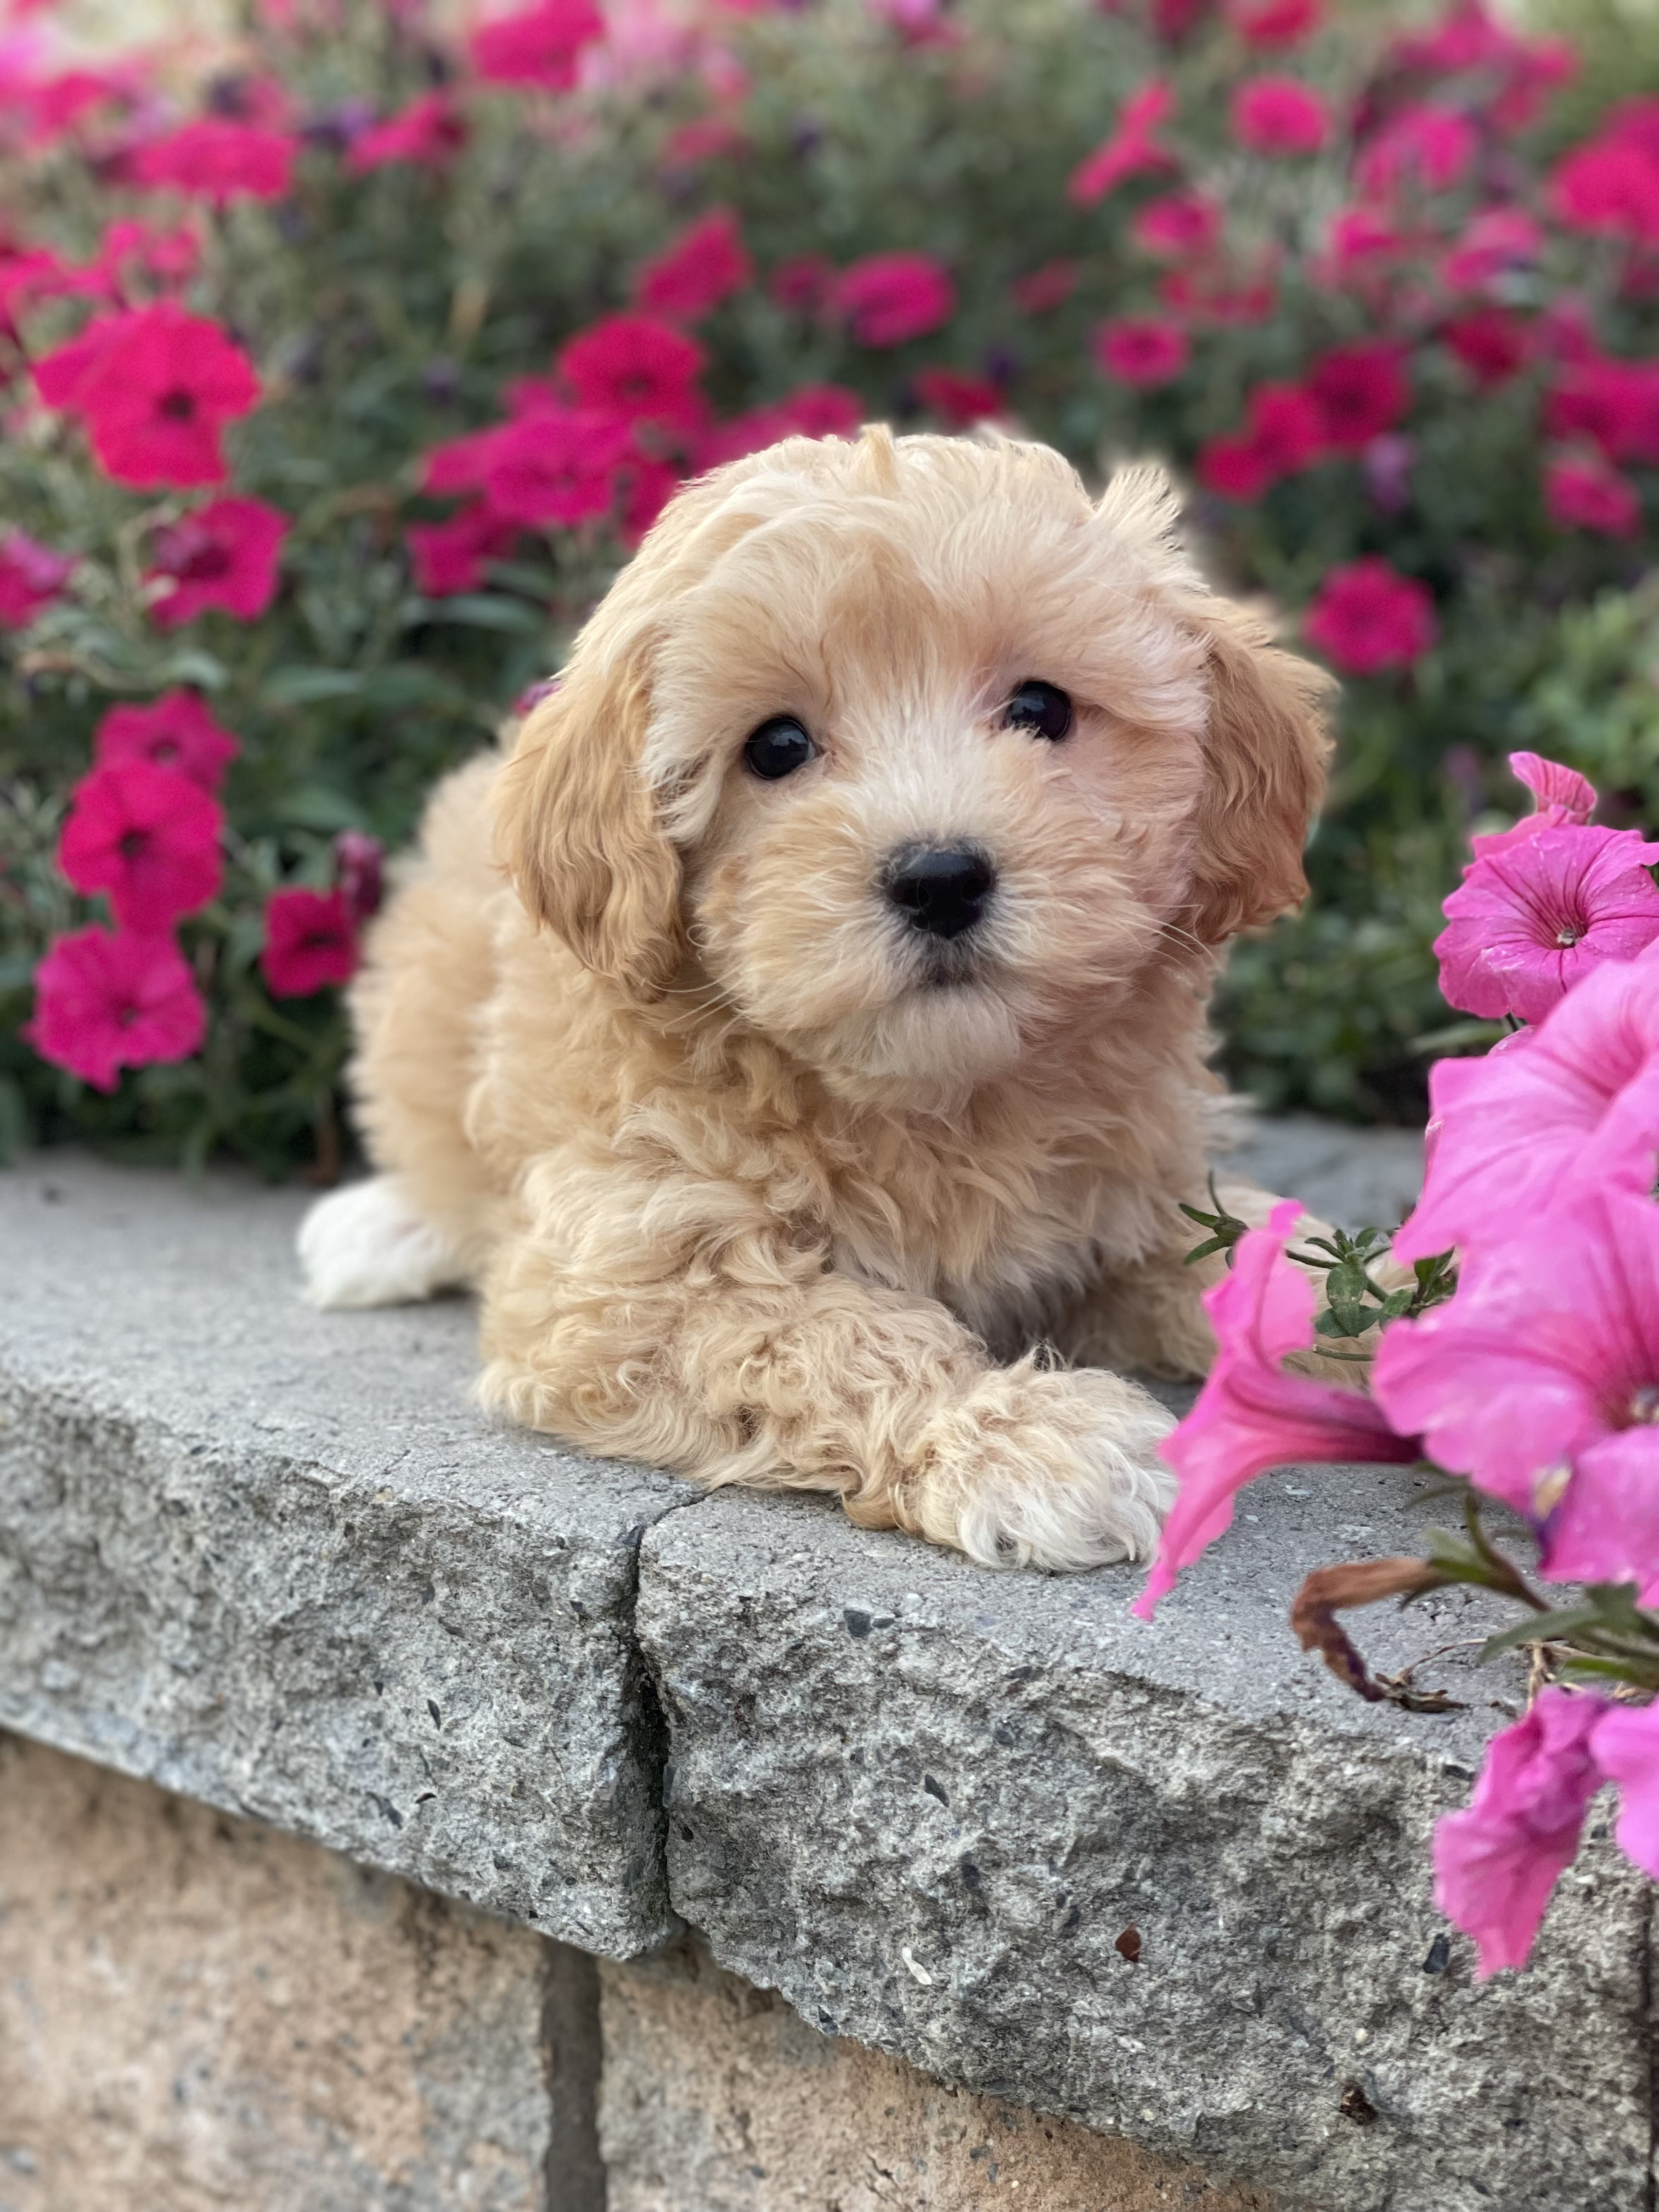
(754, 1182)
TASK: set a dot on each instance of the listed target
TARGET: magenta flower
(1540, 1380)
(217, 160)
(1507, 1131)
(888, 298)
(1250, 1414)
(103, 1003)
(1360, 390)
(1428, 147)
(1561, 795)
(1143, 350)
(1627, 1747)
(311, 941)
(555, 467)
(1583, 492)
(1132, 150)
(173, 731)
(634, 367)
(538, 47)
(1497, 1863)
(147, 836)
(155, 387)
(359, 872)
(1279, 117)
(1367, 617)
(957, 398)
(224, 556)
(1610, 188)
(1530, 920)
(1274, 23)
(428, 133)
(1178, 226)
(452, 557)
(31, 577)
(706, 263)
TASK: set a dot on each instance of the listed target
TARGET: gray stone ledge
(245, 1551)
(273, 1559)
(925, 1803)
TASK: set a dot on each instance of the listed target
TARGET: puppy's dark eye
(1042, 709)
(778, 748)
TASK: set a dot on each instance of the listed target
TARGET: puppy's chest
(1005, 1247)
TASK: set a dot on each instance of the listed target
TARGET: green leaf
(482, 610)
(310, 686)
(1540, 1628)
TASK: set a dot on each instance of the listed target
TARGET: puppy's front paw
(365, 1245)
(1046, 1469)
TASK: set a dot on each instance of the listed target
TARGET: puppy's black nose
(942, 888)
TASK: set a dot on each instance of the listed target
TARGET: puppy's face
(930, 738)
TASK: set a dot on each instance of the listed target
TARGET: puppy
(799, 1038)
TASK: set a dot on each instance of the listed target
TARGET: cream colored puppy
(799, 1041)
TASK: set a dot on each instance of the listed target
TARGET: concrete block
(274, 1559)
(718, 2098)
(200, 2014)
(1172, 1881)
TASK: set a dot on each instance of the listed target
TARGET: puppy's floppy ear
(1265, 747)
(578, 829)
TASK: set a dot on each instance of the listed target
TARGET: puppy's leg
(366, 1246)
(685, 1325)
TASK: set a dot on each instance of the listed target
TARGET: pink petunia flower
(1507, 1132)
(217, 160)
(1583, 492)
(813, 411)
(1610, 188)
(1497, 241)
(452, 556)
(1279, 117)
(1360, 390)
(540, 47)
(633, 366)
(1284, 432)
(1540, 1380)
(311, 942)
(428, 134)
(225, 555)
(1250, 1414)
(1143, 350)
(148, 837)
(1533, 917)
(1496, 1862)
(1178, 226)
(1493, 344)
(889, 298)
(1132, 150)
(1627, 1747)
(31, 577)
(155, 387)
(959, 399)
(173, 731)
(705, 264)
(103, 1003)
(1275, 22)
(555, 467)
(1614, 402)
(1560, 795)
(132, 250)
(1430, 148)
(1366, 617)
(1042, 291)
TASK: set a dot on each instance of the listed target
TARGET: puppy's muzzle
(941, 889)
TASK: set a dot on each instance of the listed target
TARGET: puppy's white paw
(1056, 1470)
(366, 1246)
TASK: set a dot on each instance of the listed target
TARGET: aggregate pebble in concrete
(274, 1561)
(1168, 1880)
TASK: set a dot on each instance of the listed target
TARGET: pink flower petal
(1497, 1863)
(1250, 1415)
(1627, 1747)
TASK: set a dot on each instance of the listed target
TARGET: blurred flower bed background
(345, 358)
